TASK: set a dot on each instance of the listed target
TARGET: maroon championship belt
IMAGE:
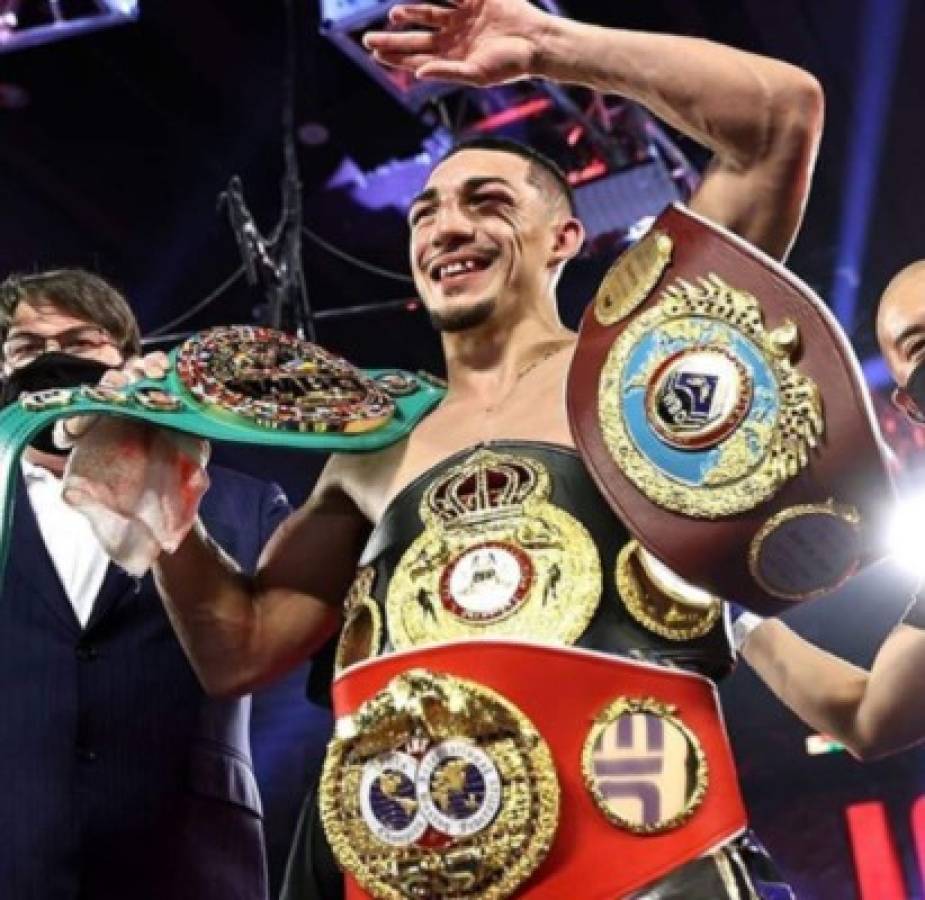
(722, 413)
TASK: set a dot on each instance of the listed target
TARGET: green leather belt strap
(170, 403)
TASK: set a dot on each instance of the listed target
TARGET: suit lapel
(29, 550)
(29, 561)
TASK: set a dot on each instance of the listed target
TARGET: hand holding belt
(139, 486)
(244, 384)
(722, 413)
(488, 769)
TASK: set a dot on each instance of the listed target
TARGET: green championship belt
(243, 384)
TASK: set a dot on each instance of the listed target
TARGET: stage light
(882, 31)
(31, 23)
(121, 7)
(905, 533)
(313, 134)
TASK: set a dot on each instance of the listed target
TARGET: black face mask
(50, 370)
(915, 386)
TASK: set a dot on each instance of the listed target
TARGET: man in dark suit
(121, 779)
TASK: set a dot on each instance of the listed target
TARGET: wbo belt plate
(439, 787)
(722, 413)
(701, 407)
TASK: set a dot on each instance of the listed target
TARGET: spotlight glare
(905, 533)
(122, 7)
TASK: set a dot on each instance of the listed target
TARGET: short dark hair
(79, 293)
(544, 173)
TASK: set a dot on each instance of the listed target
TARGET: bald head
(901, 321)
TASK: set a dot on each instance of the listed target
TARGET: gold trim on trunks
(361, 636)
(496, 558)
(644, 768)
(632, 277)
(666, 609)
(832, 555)
(735, 470)
(439, 787)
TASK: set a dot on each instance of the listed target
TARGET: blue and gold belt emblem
(701, 407)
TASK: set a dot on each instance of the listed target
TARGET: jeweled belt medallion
(496, 557)
(277, 381)
(702, 408)
(439, 787)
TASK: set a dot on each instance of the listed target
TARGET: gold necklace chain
(523, 371)
(530, 366)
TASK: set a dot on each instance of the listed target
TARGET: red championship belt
(724, 417)
(493, 769)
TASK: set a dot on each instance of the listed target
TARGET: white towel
(139, 486)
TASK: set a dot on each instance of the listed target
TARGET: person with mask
(121, 777)
(867, 711)
(490, 234)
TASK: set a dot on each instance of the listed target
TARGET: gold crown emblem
(487, 486)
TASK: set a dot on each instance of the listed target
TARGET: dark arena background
(122, 123)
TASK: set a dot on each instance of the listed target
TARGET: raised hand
(476, 42)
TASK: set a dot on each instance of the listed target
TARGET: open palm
(477, 42)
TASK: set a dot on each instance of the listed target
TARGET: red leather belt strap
(562, 690)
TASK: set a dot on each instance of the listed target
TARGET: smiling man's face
(482, 235)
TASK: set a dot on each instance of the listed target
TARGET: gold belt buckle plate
(439, 787)
(496, 558)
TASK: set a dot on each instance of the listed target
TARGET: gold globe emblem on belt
(496, 558)
(439, 787)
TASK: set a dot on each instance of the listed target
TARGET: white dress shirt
(77, 555)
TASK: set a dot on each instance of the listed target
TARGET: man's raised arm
(761, 118)
(241, 632)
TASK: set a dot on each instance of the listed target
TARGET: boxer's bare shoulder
(534, 410)
(371, 480)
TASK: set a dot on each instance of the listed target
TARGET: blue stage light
(50, 21)
(881, 32)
